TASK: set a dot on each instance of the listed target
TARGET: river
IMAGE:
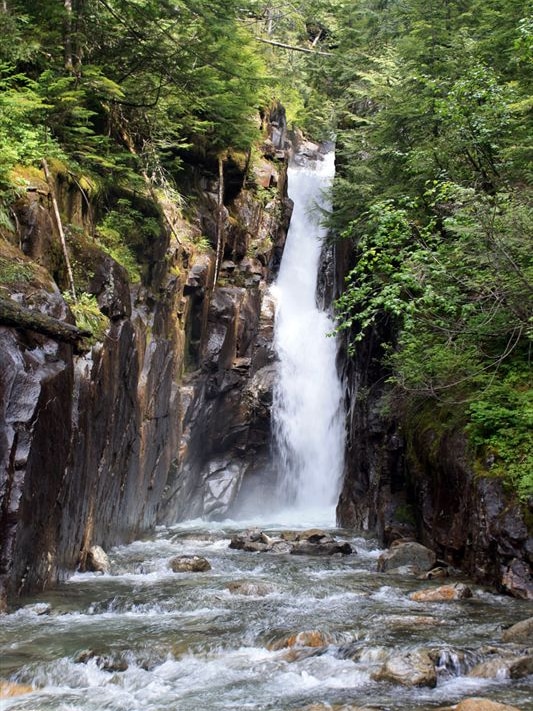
(143, 638)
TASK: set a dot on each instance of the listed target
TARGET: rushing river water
(145, 639)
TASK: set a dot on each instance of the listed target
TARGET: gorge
(265, 408)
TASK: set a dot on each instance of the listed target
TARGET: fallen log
(20, 317)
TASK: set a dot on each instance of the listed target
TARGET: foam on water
(307, 415)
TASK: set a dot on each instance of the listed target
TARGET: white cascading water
(307, 412)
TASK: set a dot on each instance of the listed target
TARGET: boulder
(517, 579)
(258, 589)
(97, 560)
(9, 688)
(411, 668)
(410, 553)
(321, 549)
(481, 704)
(189, 564)
(521, 632)
(39, 608)
(444, 593)
(521, 667)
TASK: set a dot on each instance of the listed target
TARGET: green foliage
(13, 272)
(434, 159)
(88, 316)
(501, 422)
(123, 234)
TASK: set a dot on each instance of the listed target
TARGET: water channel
(143, 638)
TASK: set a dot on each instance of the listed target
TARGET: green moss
(88, 316)
(13, 272)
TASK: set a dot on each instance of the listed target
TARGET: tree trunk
(17, 316)
(67, 36)
(59, 228)
(220, 214)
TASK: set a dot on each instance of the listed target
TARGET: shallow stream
(146, 639)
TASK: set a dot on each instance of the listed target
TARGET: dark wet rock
(102, 661)
(312, 535)
(436, 573)
(410, 553)
(444, 593)
(312, 543)
(97, 560)
(411, 668)
(256, 589)
(189, 564)
(521, 632)
(321, 549)
(521, 667)
(110, 285)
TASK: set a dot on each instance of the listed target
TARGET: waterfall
(307, 414)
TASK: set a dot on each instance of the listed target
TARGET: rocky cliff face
(172, 405)
(226, 428)
(86, 438)
(415, 477)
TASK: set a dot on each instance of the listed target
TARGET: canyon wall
(163, 415)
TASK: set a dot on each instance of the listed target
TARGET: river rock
(435, 573)
(10, 688)
(444, 593)
(517, 579)
(321, 549)
(520, 632)
(189, 564)
(259, 589)
(306, 638)
(410, 553)
(39, 608)
(481, 704)
(411, 668)
(97, 560)
(521, 667)
(102, 661)
(311, 542)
